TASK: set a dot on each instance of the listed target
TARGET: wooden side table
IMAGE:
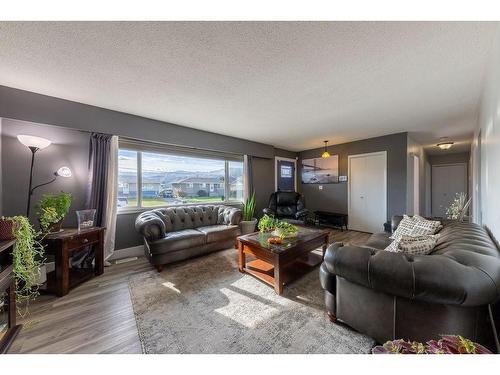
(62, 246)
(8, 311)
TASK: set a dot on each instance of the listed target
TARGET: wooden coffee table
(278, 265)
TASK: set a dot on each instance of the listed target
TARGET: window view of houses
(164, 179)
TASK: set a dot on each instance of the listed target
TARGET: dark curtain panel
(98, 171)
(250, 173)
(96, 194)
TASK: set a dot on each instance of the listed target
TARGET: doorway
(447, 181)
(285, 174)
(367, 191)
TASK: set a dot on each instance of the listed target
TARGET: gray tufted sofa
(177, 233)
(387, 295)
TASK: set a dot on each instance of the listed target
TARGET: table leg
(62, 272)
(99, 256)
(278, 278)
(241, 257)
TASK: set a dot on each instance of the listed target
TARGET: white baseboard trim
(128, 252)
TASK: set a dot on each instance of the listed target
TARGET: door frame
(464, 164)
(349, 158)
(276, 159)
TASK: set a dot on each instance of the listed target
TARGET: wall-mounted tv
(320, 170)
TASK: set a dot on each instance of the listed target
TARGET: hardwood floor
(97, 316)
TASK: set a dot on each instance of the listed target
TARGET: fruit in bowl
(274, 241)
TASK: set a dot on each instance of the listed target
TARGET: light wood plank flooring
(97, 316)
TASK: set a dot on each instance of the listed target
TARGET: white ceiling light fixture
(445, 144)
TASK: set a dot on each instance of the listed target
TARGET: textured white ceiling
(289, 84)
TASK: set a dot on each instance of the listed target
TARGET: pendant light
(325, 153)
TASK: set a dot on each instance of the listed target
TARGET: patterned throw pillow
(420, 245)
(404, 228)
(393, 247)
(424, 227)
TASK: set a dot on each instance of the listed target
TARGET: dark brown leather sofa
(177, 233)
(389, 295)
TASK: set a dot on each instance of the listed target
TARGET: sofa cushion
(178, 240)
(215, 233)
(378, 241)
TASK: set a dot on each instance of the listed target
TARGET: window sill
(137, 210)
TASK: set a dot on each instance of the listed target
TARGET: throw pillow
(393, 246)
(404, 228)
(420, 245)
(424, 227)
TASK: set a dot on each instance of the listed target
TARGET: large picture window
(155, 179)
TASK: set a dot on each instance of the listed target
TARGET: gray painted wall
(449, 158)
(333, 197)
(415, 148)
(42, 109)
(69, 147)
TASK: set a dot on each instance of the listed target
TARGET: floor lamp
(34, 144)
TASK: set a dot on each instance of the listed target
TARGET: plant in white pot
(249, 222)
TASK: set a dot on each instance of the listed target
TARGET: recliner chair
(287, 205)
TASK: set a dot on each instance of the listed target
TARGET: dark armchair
(287, 205)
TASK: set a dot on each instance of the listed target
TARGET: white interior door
(367, 192)
(447, 181)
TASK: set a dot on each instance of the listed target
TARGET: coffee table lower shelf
(264, 271)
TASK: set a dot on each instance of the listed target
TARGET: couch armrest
(150, 226)
(301, 213)
(232, 215)
(431, 278)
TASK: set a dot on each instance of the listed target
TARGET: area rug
(205, 305)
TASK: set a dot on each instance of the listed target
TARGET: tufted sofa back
(155, 223)
(190, 217)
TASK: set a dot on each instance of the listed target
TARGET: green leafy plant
(282, 228)
(52, 208)
(249, 208)
(28, 257)
(267, 223)
(285, 229)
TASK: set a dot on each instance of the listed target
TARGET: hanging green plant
(28, 257)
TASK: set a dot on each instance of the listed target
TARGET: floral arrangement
(448, 344)
(453, 212)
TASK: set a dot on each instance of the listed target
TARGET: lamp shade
(33, 141)
(64, 172)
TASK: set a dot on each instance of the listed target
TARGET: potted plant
(267, 224)
(249, 221)
(28, 259)
(285, 230)
(281, 229)
(51, 211)
(447, 344)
